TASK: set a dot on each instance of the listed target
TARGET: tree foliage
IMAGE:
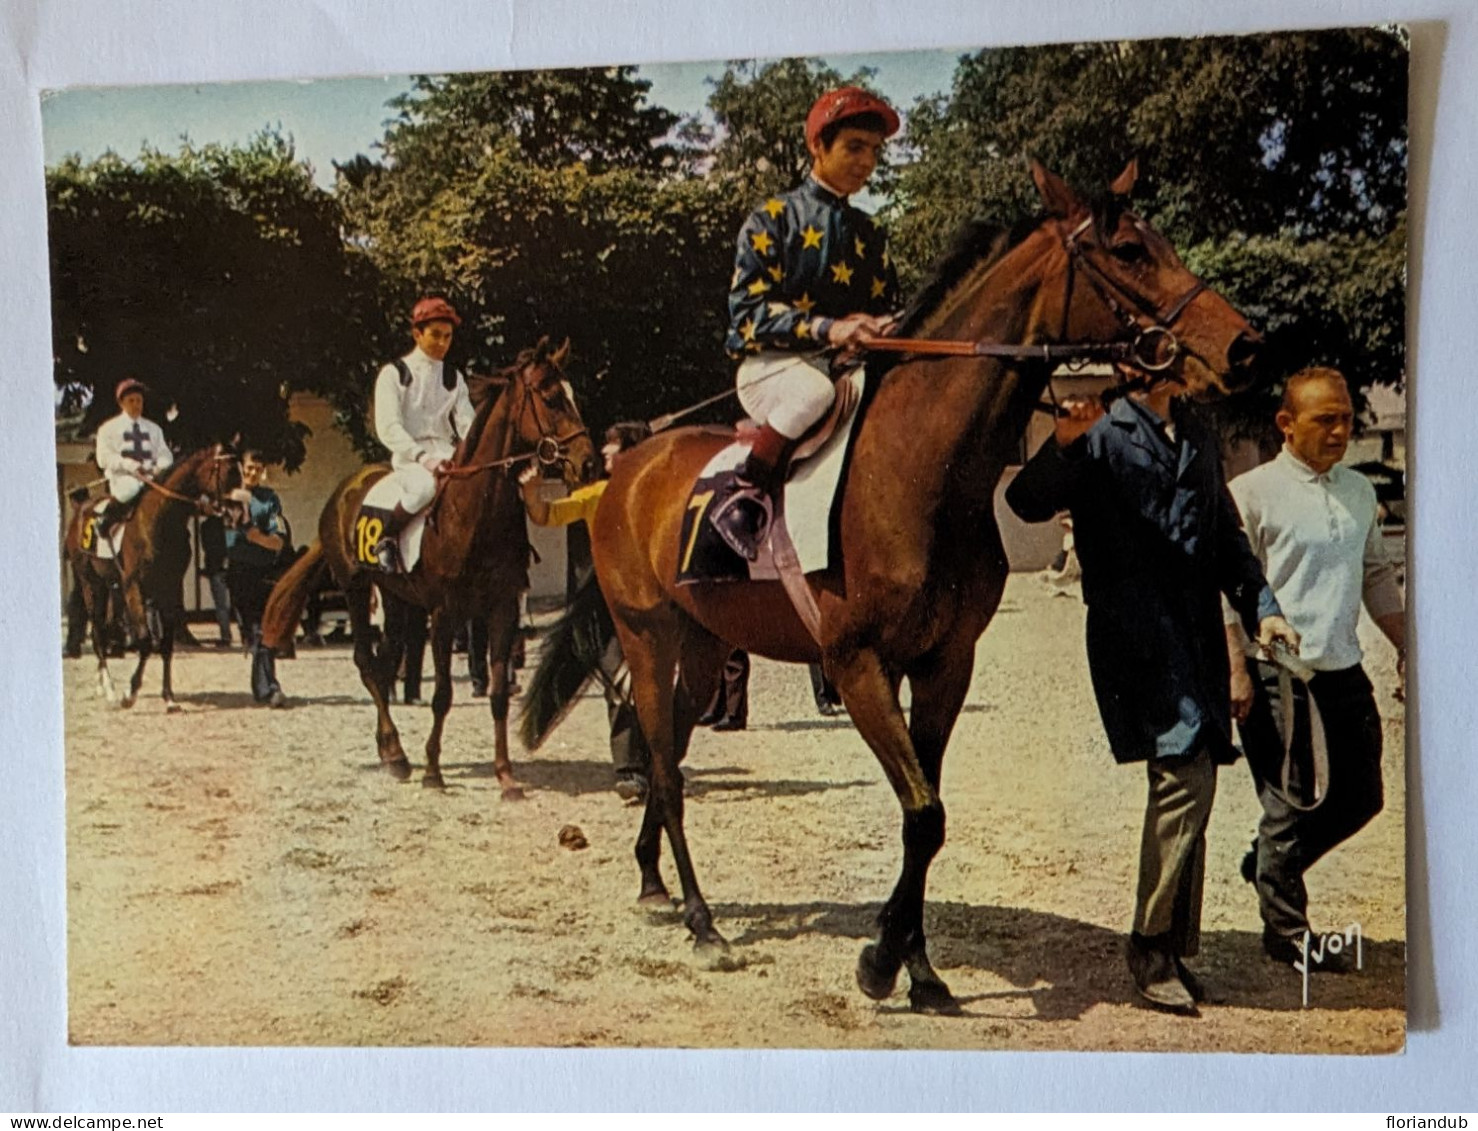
(565, 203)
(1280, 157)
(761, 114)
(217, 275)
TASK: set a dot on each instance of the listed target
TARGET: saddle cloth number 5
(89, 532)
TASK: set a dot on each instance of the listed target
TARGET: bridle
(211, 502)
(1158, 331)
(1152, 349)
(551, 449)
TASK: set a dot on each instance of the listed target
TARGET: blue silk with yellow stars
(803, 259)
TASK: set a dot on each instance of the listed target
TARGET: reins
(1151, 351)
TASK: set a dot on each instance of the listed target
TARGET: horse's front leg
(870, 692)
(502, 628)
(168, 621)
(443, 628)
(938, 686)
(96, 594)
(139, 614)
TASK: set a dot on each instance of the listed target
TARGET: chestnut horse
(151, 563)
(474, 553)
(921, 566)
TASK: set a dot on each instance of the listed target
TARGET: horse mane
(977, 245)
(186, 466)
(484, 392)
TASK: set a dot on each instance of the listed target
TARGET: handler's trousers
(1172, 850)
(1290, 842)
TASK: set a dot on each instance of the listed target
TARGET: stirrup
(387, 554)
(743, 520)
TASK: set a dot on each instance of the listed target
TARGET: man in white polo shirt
(1312, 524)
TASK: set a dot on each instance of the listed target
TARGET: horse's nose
(1242, 357)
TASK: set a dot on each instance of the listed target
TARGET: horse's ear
(1124, 183)
(1057, 198)
(541, 348)
(559, 355)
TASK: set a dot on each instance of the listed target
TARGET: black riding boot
(387, 549)
(742, 519)
(109, 517)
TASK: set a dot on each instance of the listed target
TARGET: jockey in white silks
(422, 411)
(130, 449)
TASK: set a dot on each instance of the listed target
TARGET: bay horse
(151, 562)
(921, 567)
(474, 552)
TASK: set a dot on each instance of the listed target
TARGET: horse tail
(570, 656)
(289, 597)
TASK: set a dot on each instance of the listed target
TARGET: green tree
(218, 275)
(761, 114)
(587, 235)
(1281, 159)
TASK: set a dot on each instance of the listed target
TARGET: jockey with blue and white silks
(811, 274)
(422, 411)
(130, 448)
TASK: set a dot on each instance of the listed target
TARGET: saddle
(369, 527)
(88, 536)
(800, 539)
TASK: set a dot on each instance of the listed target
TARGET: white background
(54, 43)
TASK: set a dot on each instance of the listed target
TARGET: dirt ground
(240, 876)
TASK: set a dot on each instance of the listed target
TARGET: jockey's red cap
(129, 385)
(848, 102)
(434, 310)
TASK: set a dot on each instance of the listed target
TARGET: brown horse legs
(653, 659)
(373, 674)
(703, 657)
(443, 628)
(502, 628)
(871, 695)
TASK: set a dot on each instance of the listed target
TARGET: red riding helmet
(434, 310)
(129, 385)
(848, 102)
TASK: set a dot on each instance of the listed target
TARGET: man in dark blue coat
(1158, 540)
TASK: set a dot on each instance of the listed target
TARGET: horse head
(1138, 287)
(207, 477)
(545, 417)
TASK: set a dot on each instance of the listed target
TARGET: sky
(334, 119)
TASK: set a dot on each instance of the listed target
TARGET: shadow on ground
(1066, 966)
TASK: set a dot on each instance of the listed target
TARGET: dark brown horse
(151, 563)
(474, 554)
(922, 565)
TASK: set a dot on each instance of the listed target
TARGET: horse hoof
(126, 702)
(171, 707)
(716, 955)
(657, 899)
(513, 793)
(432, 781)
(871, 979)
(400, 769)
(933, 998)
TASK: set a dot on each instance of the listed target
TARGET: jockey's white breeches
(125, 488)
(417, 486)
(787, 391)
